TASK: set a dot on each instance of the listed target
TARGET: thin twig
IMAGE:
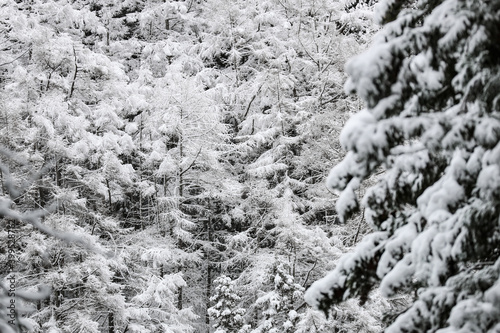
(190, 165)
(309, 273)
(251, 101)
(10, 62)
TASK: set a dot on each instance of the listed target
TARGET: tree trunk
(209, 271)
(74, 76)
(111, 322)
(179, 299)
(2, 182)
(109, 194)
(58, 173)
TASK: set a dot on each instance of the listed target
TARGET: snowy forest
(249, 166)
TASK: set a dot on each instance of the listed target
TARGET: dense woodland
(174, 155)
(163, 166)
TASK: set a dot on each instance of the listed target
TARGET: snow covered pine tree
(227, 315)
(431, 85)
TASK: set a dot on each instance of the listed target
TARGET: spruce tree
(278, 304)
(225, 312)
(431, 124)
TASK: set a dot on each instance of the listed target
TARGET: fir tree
(430, 84)
(277, 305)
(225, 312)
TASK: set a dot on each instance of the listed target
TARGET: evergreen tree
(278, 304)
(153, 281)
(430, 84)
(225, 312)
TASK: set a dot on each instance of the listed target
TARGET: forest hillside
(259, 166)
(163, 164)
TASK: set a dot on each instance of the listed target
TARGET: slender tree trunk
(140, 211)
(109, 193)
(179, 298)
(58, 173)
(1, 180)
(359, 228)
(111, 322)
(209, 271)
(181, 156)
(41, 197)
(140, 134)
(74, 75)
(48, 81)
(180, 193)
